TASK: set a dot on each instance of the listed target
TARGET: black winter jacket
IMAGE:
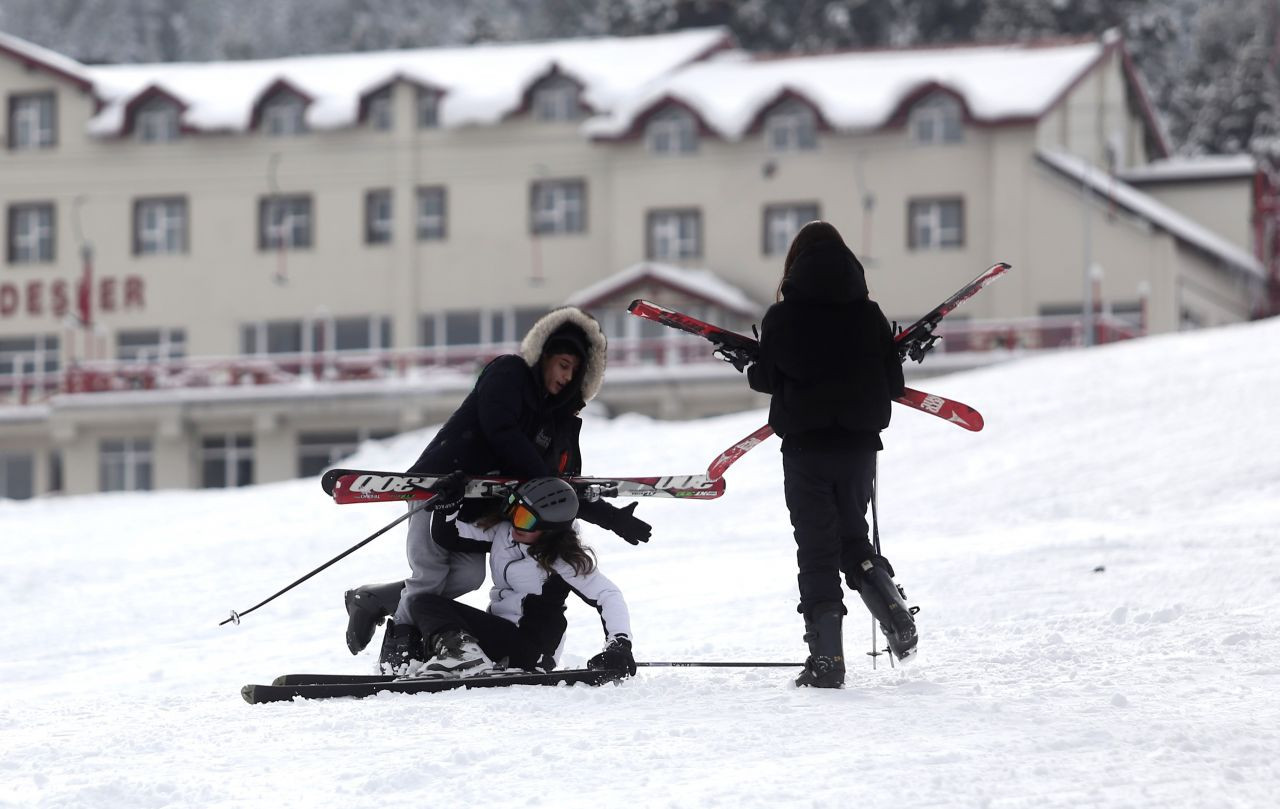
(827, 355)
(507, 425)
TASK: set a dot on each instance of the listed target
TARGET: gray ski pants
(434, 569)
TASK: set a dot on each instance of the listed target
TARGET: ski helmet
(542, 504)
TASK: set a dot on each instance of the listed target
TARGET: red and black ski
(369, 486)
(917, 339)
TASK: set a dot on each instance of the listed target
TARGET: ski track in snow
(1098, 572)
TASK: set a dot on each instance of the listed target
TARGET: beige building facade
(224, 274)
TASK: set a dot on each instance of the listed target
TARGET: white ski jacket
(517, 576)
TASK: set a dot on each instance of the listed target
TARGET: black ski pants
(498, 637)
(827, 492)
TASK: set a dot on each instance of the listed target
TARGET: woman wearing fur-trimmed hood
(521, 419)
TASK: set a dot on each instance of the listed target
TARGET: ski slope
(1098, 571)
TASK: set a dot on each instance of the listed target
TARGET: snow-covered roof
(40, 58)
(1154, 211)
(480, 83)
(1206, 167)
(863, 90)
(702, 284)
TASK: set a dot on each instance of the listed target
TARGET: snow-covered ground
(1098, 571)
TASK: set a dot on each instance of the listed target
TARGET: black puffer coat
(827, 355)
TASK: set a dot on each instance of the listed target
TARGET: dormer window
(937, 118)
(157, 121)
(284, 114)
(428, 108)
(378, 110)
(791, 126)
(556, 99)
(672, 131)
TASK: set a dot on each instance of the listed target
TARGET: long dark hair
(552, 545)
(812, 233)
(565, 545)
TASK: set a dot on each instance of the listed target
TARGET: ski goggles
(521, 516)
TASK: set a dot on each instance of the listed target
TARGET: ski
(726, 459)
(331, 688)
(329, 679)
(918, 339)
(741, 350)
(368, 486)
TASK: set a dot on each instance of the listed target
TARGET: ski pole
(875, 535)
(236, 616)
(717, 665)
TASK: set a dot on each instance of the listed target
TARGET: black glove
(450, 490)
(627, 525)
(615, 657)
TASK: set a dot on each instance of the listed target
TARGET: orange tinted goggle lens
(523, 518)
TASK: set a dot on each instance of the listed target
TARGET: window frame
(135, 458)
(157, 110)
(266, 208)
(933, 207)
(182, 229)
(425, 227)
(426, 108)
(47, 131)
(379, 216)
(556, 99)
(798, 121)
(667, 218)
(672, 130)
(770, 218)
(944, 116)
(380, 111)
(567, 215)
(283, 115)
(45, 250)
(233, 452)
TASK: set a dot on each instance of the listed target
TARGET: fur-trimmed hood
(597, 345)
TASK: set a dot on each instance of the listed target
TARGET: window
(525, 318)
(674, 235)
(428, 334)
(284, 222)
(672, 131)
(556, 99)
(558, 206)
(284, 114)
(31, 233)
(379, 110)
(319, 450)
(377, 217)
(124, 465)
(462, 328)
(782, 222)
(935, 223)
(354, 333)
(159, 226)
(157, 121)
(226, 461)
(151, 345)
(31, 121)
(936, 119)
(428, 104)
(432, 213)
(792, 126)
(271, 337)
(17, 475)
(24, 356)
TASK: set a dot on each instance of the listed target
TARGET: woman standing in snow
(535, 559)
(827, 358)
(520, 420)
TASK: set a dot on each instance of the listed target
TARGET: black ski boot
(367, 605)
(402, 646)
(885, 602)
(824, 667)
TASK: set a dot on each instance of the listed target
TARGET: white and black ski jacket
(529, 596)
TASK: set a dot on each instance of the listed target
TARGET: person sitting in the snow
(828, 358)
(520, 420)
(535, 559)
